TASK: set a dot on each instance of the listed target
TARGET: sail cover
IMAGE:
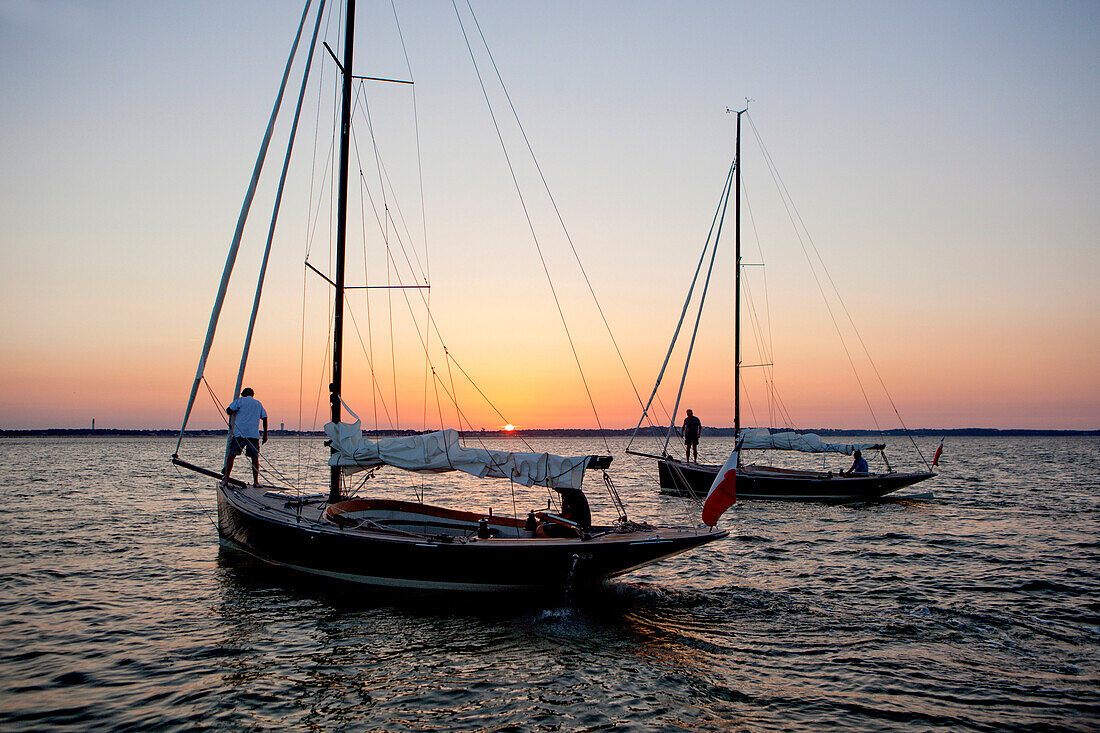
(764, 439)
(440, 451)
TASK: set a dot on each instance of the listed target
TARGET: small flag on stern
(939, 452)
(721, 495)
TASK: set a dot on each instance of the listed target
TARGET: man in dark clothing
(692, 429)
(574, 507)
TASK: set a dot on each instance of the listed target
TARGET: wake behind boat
(359, 531)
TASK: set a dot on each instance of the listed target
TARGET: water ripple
(975, 610)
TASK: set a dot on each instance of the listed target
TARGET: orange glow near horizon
(130, 384)
(976, 297)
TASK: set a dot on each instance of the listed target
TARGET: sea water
(978, 609)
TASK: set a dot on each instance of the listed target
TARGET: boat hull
(402, 560)
(781, 485)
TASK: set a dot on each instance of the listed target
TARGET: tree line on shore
(551, 432)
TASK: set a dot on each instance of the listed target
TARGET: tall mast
(341, 237)
(737, 288)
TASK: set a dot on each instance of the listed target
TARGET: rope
(515, 511)
(796, 220)
(531, 228)
(267, 462)
(189, 485)
(423, 208)
(448, 355)
(763, 345)
(231, 258)
(370, 363)
(369, 347)
(618, 502)
(279, 195)
(683, 315)
(384, 184)
(554, 203)
(785, 195)
(702, 298)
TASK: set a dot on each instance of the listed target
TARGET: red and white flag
(939, 452)
(721, 495)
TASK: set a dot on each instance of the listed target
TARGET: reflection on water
(977, 608)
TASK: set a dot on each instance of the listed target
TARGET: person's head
(690, 413)
(857, 454)
(247, 392)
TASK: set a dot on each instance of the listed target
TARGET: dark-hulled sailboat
(384, 541)
(755, 481)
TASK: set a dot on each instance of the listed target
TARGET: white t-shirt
(249, 411)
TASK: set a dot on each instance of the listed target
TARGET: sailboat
(379, 539)
(755, 481)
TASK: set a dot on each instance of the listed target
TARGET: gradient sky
(943, 156)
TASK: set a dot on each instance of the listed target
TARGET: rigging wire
(557, 211)
(702, 299)
(683, 315)
(301, 373)
(384, 220)
(531, 228)
(316, 138)
(451, 377)
(189, 483)
(448, 355)
(788, 204)
(369, 348)
(423, 336)
(763, 342)
(386, 183)
(309, 235)
(393, 266)
(221, 411)
(279, 195)
(785, 195)
(423, 207)
(238, 233)
(370, 365)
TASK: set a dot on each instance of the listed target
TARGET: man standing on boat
(692, 430)
(245, 414)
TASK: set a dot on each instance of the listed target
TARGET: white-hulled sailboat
(382, 540)
(756, 481)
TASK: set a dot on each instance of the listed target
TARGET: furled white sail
(764, 439)
(440, 451)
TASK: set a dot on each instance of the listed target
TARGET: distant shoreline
(551, 432)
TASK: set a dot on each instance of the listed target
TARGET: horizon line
(531, 431)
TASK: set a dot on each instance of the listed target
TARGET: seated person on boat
(859, 465)
(576, 512)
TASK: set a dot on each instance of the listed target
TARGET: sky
(943, 158)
